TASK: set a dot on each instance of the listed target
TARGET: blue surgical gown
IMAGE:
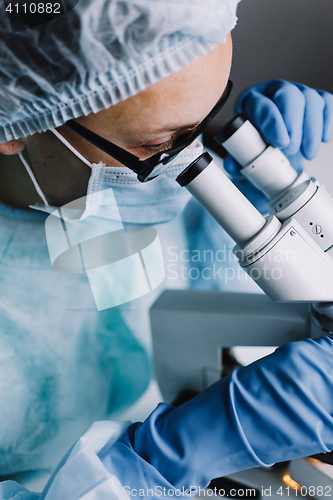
(64, 365)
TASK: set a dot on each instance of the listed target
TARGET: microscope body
(290, 253)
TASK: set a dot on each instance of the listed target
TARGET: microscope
(289, 254)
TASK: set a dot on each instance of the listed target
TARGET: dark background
(289, 39)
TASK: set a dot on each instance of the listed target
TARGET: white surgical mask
(152, 202)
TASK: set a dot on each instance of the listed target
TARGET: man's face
(144, 124)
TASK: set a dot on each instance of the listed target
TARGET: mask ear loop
(31, 174)
(70, 147)
(33, 178)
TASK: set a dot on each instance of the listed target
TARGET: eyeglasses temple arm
(131, 161)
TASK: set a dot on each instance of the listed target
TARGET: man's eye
(156, 148)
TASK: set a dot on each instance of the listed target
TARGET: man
(142, 77)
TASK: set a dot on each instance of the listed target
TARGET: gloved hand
(278, 408)
(289, 116)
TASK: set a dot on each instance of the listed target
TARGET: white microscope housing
(290, 253)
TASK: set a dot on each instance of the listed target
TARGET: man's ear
(11, 147)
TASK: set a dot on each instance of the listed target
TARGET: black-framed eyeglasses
(147, 169)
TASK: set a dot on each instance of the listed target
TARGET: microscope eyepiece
(212, 188)
(194, 169)
(230, 128)
(242, 140)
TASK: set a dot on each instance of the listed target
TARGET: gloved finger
(261, 88)
(291, 103)
(328, 115)
(232, 167)
(313, 124)
(265, 116)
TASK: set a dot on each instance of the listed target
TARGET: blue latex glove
(276, 409)
(289, 116)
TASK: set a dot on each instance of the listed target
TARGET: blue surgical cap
(97, 54)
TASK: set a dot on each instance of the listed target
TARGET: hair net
(99, 53)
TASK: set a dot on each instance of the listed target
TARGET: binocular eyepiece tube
(265, 166)
(229, 207)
